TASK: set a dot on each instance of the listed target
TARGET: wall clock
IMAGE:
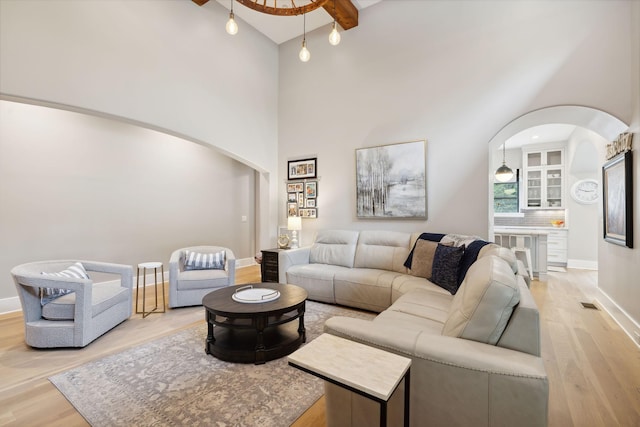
(585, 191)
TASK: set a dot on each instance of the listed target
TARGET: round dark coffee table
(254, 332)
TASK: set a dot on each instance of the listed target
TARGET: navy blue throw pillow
(446, 266)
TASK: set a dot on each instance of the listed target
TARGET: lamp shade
(504, 173)
(294, 223)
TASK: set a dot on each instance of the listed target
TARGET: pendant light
(304, 54)
(504, 172)
(231, 27)
(334, 36)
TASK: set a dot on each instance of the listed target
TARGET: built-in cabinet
(557, 247)
(543, 177)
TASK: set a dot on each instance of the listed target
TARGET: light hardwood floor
(593, 367)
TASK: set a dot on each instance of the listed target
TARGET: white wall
(166, 65)
(451, 72)
(619, 267)
(81, 187)
(584, 151)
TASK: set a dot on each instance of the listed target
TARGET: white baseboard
(617, 313)
(245, 262)
(9, 305)
(12, 304)
(582, 264)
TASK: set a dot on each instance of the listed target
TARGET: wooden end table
(254, 332)
(365, 370)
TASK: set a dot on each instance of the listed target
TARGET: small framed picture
(300, 169)
(291, 188)
(311, 203)
(309, 213)
(300, 200)
(292, 209)
(293, 197)
(311, 189)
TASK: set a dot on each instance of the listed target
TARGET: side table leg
(407, 397)
(137, 284)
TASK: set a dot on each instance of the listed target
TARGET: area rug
(171, 381)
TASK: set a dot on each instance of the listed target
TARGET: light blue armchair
(79, 317)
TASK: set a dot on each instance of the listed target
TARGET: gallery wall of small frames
(302, 188)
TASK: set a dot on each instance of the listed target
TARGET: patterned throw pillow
(200, 261)
(422, 261)
(76, 271)
(446, 265)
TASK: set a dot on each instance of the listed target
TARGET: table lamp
(294, 223)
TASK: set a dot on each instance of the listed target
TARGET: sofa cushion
(446, 266)
(103, 296)
(334, 247)
(484, 303)
(384, 250)
(422, 303)
(406, 283)
(365, 288)
(316, 279)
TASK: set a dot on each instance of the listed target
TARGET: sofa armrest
(455, 381)
(289, 258)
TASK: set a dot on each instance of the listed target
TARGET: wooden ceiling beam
(346, 14)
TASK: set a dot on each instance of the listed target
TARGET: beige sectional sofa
(476, 354)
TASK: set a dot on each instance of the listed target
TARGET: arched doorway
(594, 128)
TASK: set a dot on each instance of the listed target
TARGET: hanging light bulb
(334, 35)
(304, 54)
(231, 27)
(504, 172)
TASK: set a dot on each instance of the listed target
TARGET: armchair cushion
(204, 261)
(103, 296)
(76, 271)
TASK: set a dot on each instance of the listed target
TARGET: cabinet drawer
(557, 244)
(556, 256)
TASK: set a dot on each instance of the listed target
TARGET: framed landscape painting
(617, 187)
(391, 181)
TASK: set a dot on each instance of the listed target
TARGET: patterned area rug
(172, 381)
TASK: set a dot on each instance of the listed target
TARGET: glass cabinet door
(534, 188)
(534, 159)
(554, 157)
(554, 187)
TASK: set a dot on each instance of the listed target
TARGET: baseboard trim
(617, 313)
(582, 264)
(12, 304)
